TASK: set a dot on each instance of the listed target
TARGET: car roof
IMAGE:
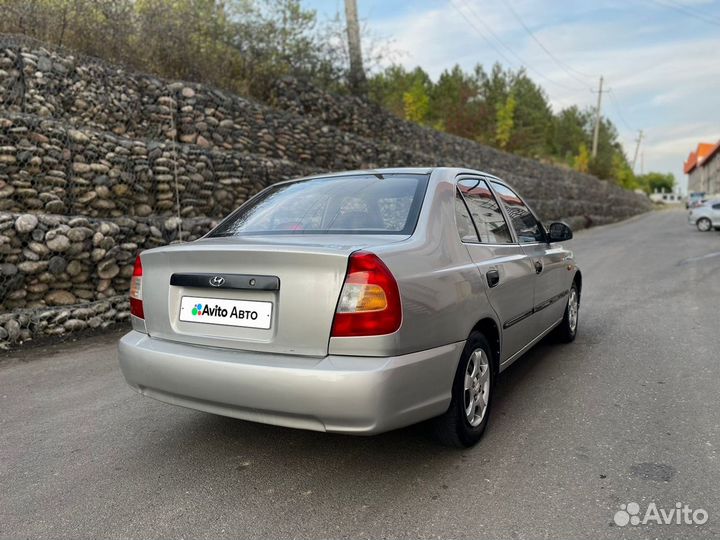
(398, 170)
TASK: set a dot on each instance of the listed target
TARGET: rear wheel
(464, 422)
(704, 224)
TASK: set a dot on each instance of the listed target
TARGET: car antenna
(378, 175)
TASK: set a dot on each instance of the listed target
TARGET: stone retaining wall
(96, 164)
(53, 260)
(48, 167)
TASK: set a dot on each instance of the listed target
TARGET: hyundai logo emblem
(217, 281)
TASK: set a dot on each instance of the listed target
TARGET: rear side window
(527, 228)
(362, 204)
(485, 212)
(465, 226)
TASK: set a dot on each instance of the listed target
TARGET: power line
(497, 38)
(477, 30)
(565, 67)
(616, 106)
(669, 4)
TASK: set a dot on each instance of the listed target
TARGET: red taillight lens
(369, 302)
(136, 301)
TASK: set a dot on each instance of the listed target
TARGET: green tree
(454, 103)
(581, 162)
(569, 133)
(388, 88)
(655, 181)
(505, 121)
(416, 103)
(621, 173)
(533, 118)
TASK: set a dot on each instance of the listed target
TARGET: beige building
(703, 169)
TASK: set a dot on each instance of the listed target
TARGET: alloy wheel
(477, 387)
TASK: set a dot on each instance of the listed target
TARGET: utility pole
(358, 82)
(637, 149)
(596, 134)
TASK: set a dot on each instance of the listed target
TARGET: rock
(82, 313)
(4, 333)
(26, 223)
(59, 243)
(60, 298)
(72, 325)
(12, 327)
(74, 268)
(8, 269)
(38, 288)
(94, 322)
(57, 265)
(188, 92)
(61, 316)
(32, 267)
(143, 210)
(78, 136)
(39, 248)
(97, 254)
(55, 206)
(121, 190)
(202, 141)
(80, 168)
(108, 271)
(78, 234)
(172, 223)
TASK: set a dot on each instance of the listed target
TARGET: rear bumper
(343, 394)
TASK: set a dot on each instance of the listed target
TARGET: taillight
(136, 301)
(369, 302)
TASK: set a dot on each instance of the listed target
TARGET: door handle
(538, 266)
(493, 277)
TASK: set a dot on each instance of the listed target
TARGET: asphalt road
(627, 413)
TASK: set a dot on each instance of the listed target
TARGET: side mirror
(559, 232)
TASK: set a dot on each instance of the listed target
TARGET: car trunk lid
(257, 293)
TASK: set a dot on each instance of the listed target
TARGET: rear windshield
(363, 204)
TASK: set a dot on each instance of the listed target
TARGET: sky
(660, 59)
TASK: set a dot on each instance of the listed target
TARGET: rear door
(507, 270)
(548, 260)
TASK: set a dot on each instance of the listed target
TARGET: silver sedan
(356, 302)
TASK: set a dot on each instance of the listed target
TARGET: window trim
(487, 180)
(530, 209)
(459, 195)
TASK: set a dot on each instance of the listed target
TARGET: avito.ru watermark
(681, 514)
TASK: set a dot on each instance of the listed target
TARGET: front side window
(358, 204)
(527, 228)
(485, 212)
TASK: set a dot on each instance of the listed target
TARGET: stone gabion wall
(47, 166)
(54, 260)
(98, 163)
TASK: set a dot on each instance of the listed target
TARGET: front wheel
(704, 224)
(566, 331)
(465, 421)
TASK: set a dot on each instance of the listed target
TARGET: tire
(457, 427)
(566, 331)
(704, 224)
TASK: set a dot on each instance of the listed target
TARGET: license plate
(245, 313)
